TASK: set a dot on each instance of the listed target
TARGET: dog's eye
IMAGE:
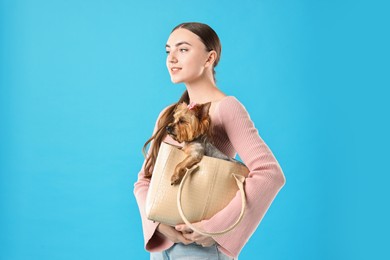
(181, 121)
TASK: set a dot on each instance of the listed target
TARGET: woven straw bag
(205, 189)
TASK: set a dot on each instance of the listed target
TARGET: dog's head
(190, 122)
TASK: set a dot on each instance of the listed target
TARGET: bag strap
(240, 183)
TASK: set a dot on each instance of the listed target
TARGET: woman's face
(187, 57)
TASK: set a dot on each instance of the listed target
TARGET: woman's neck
(203, 90)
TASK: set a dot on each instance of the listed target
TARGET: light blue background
(82, 82)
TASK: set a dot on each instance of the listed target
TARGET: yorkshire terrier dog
(191, 125)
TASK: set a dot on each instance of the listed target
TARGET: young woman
(193, 51)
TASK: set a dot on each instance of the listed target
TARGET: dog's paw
(175, 179)
(178, 175)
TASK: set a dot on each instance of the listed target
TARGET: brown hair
(211, 40)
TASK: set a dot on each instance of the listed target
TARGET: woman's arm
(264, 181)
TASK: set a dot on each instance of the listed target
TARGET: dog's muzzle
(169, 129)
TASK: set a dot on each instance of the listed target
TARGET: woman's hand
(193, 236)
(173, 235)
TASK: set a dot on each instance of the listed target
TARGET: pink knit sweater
(234, 132)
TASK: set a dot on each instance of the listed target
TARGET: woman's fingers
(199, 239)
(206, 242)
(173, 235)
(184, 229)
(190, 235)
(183, 239)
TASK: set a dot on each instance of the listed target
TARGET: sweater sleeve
(153, 241)
(264, 181)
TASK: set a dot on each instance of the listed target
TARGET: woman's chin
(175, 80)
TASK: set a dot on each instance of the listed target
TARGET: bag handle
(240, 183)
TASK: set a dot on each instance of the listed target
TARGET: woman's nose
(172, 58)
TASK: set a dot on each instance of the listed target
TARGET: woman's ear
(212, 56)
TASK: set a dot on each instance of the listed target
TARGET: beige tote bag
(206, 189)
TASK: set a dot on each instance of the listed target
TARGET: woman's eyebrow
(178, 44)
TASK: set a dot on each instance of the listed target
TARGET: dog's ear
(204, 118)
(204, 111)
(182, 105)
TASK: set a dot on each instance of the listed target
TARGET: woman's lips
(175, 70)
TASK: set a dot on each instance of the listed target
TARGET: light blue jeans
(190, 252)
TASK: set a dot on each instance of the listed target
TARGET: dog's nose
(169, 129)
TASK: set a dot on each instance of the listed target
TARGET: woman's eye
(167, 52)
(183, 50)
